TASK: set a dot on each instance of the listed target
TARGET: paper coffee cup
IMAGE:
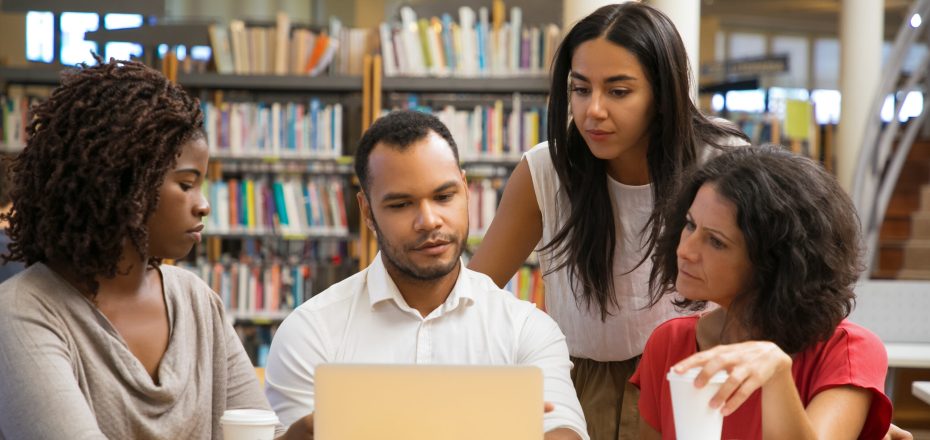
(248, 424)
(694, 418)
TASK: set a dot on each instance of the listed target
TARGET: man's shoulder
(495, 298)
(336, 295)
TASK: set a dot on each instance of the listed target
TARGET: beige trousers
(610, 403)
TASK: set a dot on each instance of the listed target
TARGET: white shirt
(365, 319)
(624, 333)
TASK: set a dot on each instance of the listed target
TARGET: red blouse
(852, 356)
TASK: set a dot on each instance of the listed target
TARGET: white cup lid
(690, 375)
(249, 417)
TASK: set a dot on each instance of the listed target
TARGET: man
(416, 302)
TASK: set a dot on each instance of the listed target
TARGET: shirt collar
(381, 288)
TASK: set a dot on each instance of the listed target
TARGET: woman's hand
(750, 365)
(896, 433)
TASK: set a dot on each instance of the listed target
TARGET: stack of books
(294, 129)
(281, 49)
(477, 45)
(290, 206)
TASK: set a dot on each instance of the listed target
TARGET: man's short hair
(398, 130)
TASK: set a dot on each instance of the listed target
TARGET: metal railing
(879, 163)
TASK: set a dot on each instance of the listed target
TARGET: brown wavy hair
(802, 236)
(98, 150)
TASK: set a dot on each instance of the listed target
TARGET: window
(913, 105)
(122, 21)
(797, 50)
(201, 53)
(746, 45)
(779, 95)
(827, 63)
(74, 48)
(751, 101)
(122, 50)
(40, 36)
(826, 106)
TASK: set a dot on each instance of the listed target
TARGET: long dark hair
(585, 244)
(802, 238)
(98, 150)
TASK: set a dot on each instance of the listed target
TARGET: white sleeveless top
(623, 335)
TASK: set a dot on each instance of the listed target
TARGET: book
(222, 51)
(282, 43)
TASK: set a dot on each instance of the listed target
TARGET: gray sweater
(65, 373)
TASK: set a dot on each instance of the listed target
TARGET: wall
(13, 43)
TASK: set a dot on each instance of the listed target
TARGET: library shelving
(284, 224)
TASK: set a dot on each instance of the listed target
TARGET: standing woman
(622, 128)
(97, 338)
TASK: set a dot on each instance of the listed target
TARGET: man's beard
(396, 256)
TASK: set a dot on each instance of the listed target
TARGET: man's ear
(365, 210)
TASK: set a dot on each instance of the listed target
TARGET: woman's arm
(836, 413)
(39, 394)
(839, 412)
(515, 231)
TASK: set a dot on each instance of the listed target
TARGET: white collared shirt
(365, 319)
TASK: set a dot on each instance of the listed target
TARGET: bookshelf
(524, 84)
(29, 76)
(48, 75)
(284, 225)
(271, 83)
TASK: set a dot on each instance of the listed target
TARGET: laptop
(435, 402)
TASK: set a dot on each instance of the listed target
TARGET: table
(921, 390)
(908, 355)
(904, 355)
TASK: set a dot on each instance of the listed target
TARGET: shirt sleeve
(41, 398)
(542, 344)
(856, 357)
(296, 349)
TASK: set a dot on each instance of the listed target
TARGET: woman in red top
(773, 240)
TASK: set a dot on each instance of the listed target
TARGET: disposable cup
(248, 424)
(694, 418)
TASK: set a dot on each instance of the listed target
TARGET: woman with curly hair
(773, 240)
(97, 338)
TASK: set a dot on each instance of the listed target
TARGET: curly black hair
(802, 236)
(97, 153)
